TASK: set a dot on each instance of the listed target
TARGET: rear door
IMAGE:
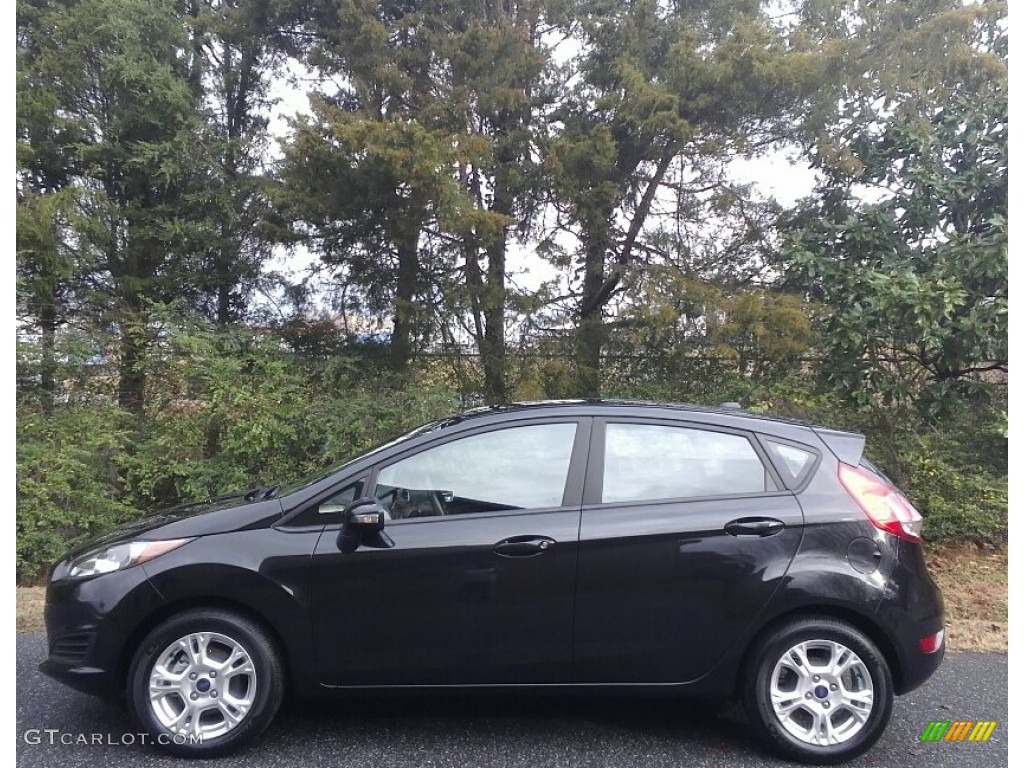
(685, 535)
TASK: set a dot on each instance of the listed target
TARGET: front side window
(507, 469)
(644, 462)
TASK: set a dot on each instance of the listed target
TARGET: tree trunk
(48, 363)
(405, 294)
(590, 334)
(597, 289)
(492, 350)
(131, 382)
(224, 313)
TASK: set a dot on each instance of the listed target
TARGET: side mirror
(364, 515)
(363, 524)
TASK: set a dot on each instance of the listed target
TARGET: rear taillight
(887, 508)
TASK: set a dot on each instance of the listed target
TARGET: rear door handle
(523, 546)
(754, 526)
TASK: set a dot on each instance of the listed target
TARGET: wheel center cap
(821, 692)
(203, 685)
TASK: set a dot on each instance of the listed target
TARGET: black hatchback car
(627, 546)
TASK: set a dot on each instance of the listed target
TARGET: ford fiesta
(626, 546)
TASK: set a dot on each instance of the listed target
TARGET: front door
(477, 583)
(684, 538)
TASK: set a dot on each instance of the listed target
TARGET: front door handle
(523, 546)
(754, 526)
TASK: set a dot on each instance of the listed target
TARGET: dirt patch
(30, 608)
(973, 581)
(976, 590)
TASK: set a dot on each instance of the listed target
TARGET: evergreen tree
(106, 87)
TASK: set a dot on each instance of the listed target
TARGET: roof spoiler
(848, 447)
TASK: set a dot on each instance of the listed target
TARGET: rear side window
(644, 462)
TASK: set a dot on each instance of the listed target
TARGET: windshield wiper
(262, 493)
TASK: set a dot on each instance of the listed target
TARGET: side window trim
(595, 476)
(572, 496)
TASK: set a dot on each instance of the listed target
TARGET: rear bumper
(912, 609)
(915, 665)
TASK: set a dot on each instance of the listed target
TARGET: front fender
(265, 572)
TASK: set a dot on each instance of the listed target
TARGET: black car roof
(591, 405)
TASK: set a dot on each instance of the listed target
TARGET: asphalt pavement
(521, 731)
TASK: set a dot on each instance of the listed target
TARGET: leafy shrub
(226, 412)
(232, 410)
(66, 482)
(957, 504)
(256, 414)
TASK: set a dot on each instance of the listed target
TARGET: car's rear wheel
(818, 690)
(205, 682)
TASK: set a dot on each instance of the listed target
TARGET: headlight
(120, 556)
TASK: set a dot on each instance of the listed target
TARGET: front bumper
(89, 624)
(89, 680)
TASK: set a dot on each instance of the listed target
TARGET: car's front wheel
(205, 682)
(818, 690)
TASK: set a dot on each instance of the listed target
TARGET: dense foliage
(917, 281)
(163, 357)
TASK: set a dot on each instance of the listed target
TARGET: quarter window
(507, 469)
(645, 462)
(329, 511)
(794, 458)
(789, 458)
(335, 505)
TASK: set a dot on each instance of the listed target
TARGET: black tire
(756, 690)
(269, 676)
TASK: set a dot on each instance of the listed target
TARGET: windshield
(422, 430)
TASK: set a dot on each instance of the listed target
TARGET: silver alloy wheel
(202, 685)
(821, 692)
